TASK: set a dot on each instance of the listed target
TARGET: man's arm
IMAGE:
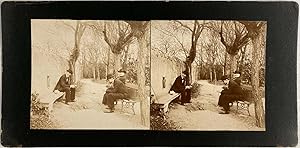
(115, 88)
(63, 82)
(173, 87)
(177, 86)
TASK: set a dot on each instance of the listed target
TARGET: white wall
(43, 65)
(163, 67)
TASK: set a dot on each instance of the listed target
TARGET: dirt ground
(87, 111)
(188, 118)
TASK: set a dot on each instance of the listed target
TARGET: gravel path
(87, 111)
(209, 118)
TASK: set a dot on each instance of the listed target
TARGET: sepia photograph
(208, 75)
(90, 74)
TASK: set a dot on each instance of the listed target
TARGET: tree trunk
(259, 110)
(72, 67)
(124, 64)
(215, 75)
(190, 75)
(94, 71)
(226, 69)
(223, 70)
(233, 64)
(241, 66)
(145, 102)
(227, 64)
(108, 63)
(199, 72)
(98, 72)
(210, 74)
(117, 59)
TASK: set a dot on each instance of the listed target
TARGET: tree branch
(185, 26)
(70, 26)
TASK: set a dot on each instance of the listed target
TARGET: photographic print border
(281, 49)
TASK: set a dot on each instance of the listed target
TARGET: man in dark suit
(231, 93)
(180, 86)
(117, 91)
(64, 85)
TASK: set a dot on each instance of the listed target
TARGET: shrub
(36, 107)
(78, 87)
(39, 118)
(157, 120)
(195, 91)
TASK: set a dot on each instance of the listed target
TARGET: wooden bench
(128, 104)
(131, 100)
(164, 101)
(242, 105)
(47, 100)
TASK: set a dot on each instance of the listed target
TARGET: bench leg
(122, 107)
(248, 109)
(132, 107)
(166, 109)
(237, 107)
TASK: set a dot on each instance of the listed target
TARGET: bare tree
(117, 40)
(211, 52)
(125, 57)
(78, 32)
(256, 31)
(196, 30)
(140, 29)
(240, 65)
(233, 37)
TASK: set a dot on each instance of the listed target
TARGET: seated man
(121, 75)
(117, 91)
(231, 93)
(179, 86)
(64, 85)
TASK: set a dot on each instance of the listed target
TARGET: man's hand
(188, 87)
(56, 91)
(225, 87)
(171, 92)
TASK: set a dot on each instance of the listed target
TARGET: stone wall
(46, 70)
(160, 67)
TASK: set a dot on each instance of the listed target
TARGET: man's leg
(72, 97)
(220, 102)
(68, 94)
(224, 102)
(104, 100)
(183, 98)
(111, 98)
(188, 96)
(229, 98)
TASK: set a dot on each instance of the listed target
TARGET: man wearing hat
(180, 86)
(117, 91)
(231, 93)
(64, 85)
(121, 75)
(237, 77)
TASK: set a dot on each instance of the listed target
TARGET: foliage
(36, 107)
(42, 122)
(195, 91)
(79, 86)
(39, 118)
(157, 120)
(132, 73)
